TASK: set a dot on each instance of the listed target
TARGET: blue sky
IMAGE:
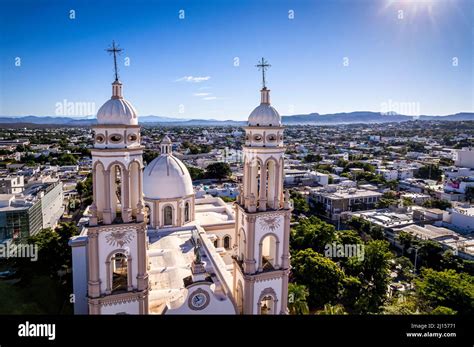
(390, 59)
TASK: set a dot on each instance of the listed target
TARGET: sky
(196, 58)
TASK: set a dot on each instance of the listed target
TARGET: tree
(218, 171)
(446, 288)
(432, 172)
(332, 310)
(373, 272)
(443, 310)
(300, 205)
(320, 275)
(311, 158)
(148, 156)
(312, 233)
(195, 173)
(66, 159)
(435, 203)
(469, 193)
(405, 239)
(53, 248)
(297, 299)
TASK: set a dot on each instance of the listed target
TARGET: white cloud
(210, 98)
(202, 94)
(193, 79)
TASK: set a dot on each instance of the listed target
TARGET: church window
(168, 215)
(257, 137)
(186, 212)
(119, 265)
(100, 138)
(227, 242)
(132, 137)
(115, 138)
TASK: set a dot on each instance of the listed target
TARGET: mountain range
(302, 119)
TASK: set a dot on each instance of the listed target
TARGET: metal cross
(263, 66)
(114, 50)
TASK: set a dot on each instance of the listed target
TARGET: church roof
(166, 177)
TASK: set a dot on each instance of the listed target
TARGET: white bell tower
(263, 213)
(117, 274)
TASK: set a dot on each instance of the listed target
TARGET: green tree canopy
(320, 275)
(218, 171)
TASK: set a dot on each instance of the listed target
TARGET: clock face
(199, 300)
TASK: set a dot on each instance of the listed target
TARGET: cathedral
(151, 247)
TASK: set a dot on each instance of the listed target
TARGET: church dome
(264, 114)
(166, 177)
(117, 110)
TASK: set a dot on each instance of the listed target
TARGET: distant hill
(312, 118)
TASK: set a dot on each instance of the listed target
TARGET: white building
(152, 247)
(12, 184)
(464, 157)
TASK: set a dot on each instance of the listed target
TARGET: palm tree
(297, 294)
(332, 310)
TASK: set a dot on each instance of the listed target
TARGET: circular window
(271, 138)
(115, 138)
(257, 137)
(132, 137)
(281, 137)
(99, 138)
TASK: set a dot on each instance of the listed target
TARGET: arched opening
(117, 192)
(216, 242)
(186, 211)
(242, 244)
(134, 179)
(148, 215)
(268, 252)
(99, 185)
(227, 242)
(168, 216)
(267, 305)
(119, 263)
(240, 298)
(271, 183)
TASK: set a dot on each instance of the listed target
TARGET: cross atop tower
(263, 66)
(115, 50)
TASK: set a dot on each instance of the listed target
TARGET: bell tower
(263, 213)
(117, 274)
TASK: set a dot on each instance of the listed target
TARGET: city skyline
(326, 57)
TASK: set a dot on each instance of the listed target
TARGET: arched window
(267, 305)
(216, 242)
(168, 215)
(268, 253)
(148, 214)
(119, 265)
(186, 212)
(227, 242)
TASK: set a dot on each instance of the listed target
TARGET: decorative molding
(270, 222)
(119, 238)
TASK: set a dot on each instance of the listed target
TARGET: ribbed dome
(117, 110)
(166, 177)
(264, 114)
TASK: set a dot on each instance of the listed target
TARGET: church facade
(149, 246)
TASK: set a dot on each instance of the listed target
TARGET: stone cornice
(94, 230)
(121, 298)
